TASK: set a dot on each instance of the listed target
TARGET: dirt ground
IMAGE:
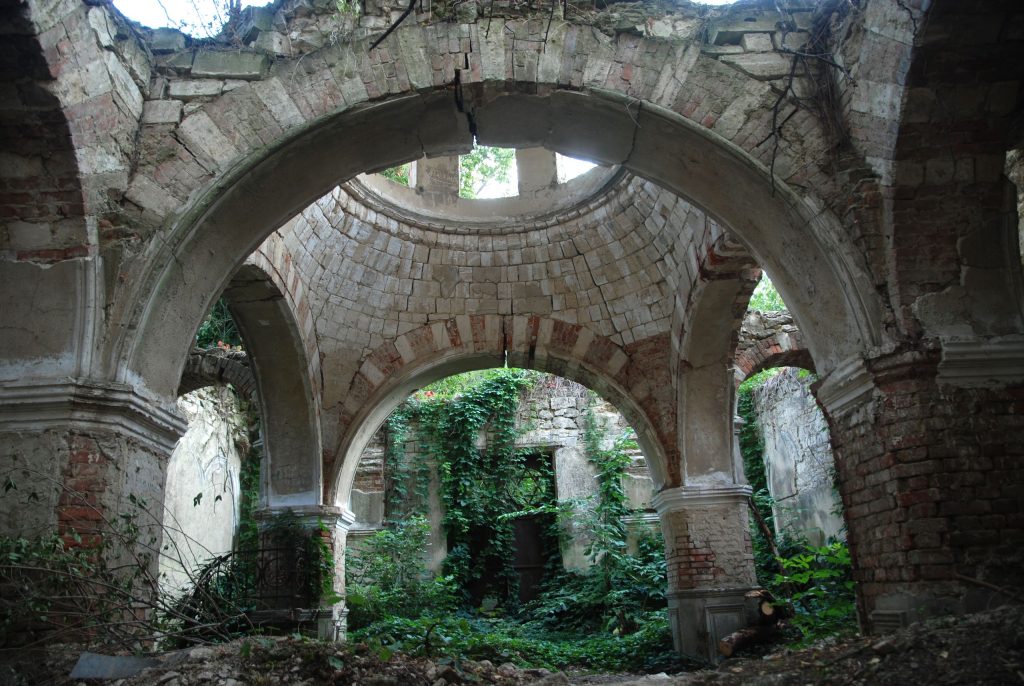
(986, 648)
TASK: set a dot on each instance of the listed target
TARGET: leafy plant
(765, 298)
(387, 576)
(822, 590)
(503, 640)
(474, 480)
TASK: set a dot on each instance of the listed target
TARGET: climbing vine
(609, 531)
(475, 480)
(752, 451)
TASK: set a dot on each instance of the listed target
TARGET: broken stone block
(179, 62)
(274, 43)
(96, 666)
(162, 112)
(167, 40)
(255, 20)
(234, 64)
(721, 49)
(729, 30)
(190, 89)
(760, 65)
(794, 40)
(756, 42)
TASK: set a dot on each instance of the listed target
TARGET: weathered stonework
(879, 204)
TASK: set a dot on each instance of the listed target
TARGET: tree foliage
(399, 174)
(765, 298)
(482, 165)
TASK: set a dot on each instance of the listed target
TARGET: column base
(330, 623)
(701, 617)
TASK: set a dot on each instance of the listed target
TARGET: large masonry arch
(233, 217)
(167, 170)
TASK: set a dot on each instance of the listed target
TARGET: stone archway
(291, 420)
(839, 232)
(626, 379)
(655, 142)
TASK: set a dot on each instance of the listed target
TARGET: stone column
(77, 452)
(87, 460)
(537, 170)
(283, 602)
(929, 446)
(710, 563)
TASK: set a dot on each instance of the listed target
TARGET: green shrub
(388, 577)
(820, 588)
(617, 596)
(502, 640)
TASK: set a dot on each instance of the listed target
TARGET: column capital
(674, 499)
(846, 388)
(982, 362)
(310, 515)
(86, 404)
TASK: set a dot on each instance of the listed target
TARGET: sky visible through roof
(202, 18)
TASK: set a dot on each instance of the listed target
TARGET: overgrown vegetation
(399, 174)
(476, 484)
(610, 617)
(816, 581)
(218, 328)
(100, 581)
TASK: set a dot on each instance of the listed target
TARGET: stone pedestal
(701, 617)
(710, 563)
(284, 602)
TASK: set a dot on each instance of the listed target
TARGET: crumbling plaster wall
(203, 488)
(798, 458)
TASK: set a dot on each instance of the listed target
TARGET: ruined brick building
(863, 153)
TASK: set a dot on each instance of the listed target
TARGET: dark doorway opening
(535, 543)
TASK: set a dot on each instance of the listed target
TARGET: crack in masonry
(636, 127)
(197, 158)
(504, 340)
(460, 103)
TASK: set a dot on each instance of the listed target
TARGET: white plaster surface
(798, 457)
(205, 465)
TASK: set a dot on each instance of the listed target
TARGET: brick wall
(930, 477)
(708, 546)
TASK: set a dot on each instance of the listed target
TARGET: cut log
(762, 603)
(743, 638)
